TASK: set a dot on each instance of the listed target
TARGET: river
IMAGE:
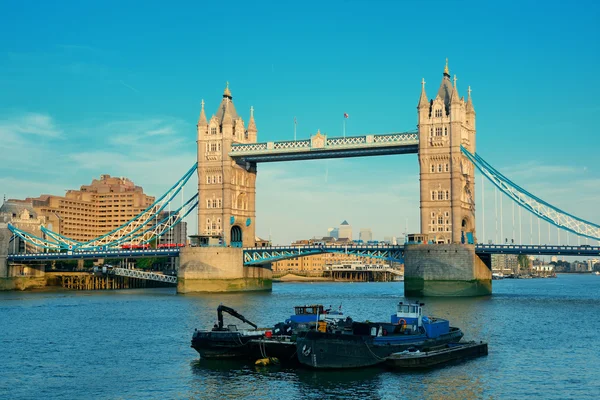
(543, 335)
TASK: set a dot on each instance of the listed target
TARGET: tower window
(208, 179)
(446, 214)
(432, 214)
(447, 167)
(440, 220)
(438, 112)
(439, 167)
(213, 131)
(438, 131)
(432, 168)
(445, 131)
(430, 131)
(447, 195)
(440, 195)
(207, 203)
(433, 195)
(220, 179)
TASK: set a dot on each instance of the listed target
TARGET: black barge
(428, 358)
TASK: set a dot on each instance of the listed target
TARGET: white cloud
(36, 124)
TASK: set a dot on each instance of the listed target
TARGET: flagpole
(295, 129)
(344, 127)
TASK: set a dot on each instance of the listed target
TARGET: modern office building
(345, 230)
(366, 235)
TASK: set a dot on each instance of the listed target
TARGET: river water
(543, 335)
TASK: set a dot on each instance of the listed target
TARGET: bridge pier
(445, 270)
(219, 269)
(17, 277)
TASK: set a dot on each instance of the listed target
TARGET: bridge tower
(226, 190)
(226, 209)
(447, 178)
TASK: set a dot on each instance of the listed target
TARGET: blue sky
(115, 87)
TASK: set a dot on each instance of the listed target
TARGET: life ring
(402, 324)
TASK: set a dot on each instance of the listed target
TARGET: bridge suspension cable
(139, 230)
(533, 204)
(128, 230)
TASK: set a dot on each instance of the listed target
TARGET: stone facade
(447, 177)
(227, 191)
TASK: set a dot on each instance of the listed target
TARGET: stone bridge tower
(447, 178)
(226, 191)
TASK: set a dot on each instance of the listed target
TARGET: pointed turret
(252, 123)
(202, 119)
(445, 90)
(252, 131)
(455, 99)
(469, 101)
(423, 99)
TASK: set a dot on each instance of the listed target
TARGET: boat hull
(223, 344)
(449, 353)
(337, 351)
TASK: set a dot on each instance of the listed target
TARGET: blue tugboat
(363, 344)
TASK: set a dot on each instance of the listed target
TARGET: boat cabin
(410, 315)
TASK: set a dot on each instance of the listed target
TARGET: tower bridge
(447, 260)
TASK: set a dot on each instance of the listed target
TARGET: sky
(113, 87)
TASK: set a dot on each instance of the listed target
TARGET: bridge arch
(236, 236)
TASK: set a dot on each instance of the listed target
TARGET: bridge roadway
(264, 255)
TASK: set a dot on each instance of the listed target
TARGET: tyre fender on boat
(402, 323)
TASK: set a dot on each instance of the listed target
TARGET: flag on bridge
(346, 115)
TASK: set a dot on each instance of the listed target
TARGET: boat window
(405, 309)
(413, 309)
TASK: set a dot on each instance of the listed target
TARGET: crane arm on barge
(233, 313)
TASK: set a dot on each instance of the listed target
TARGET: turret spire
(227, 92)
(446, 70)
(454, 98)
(251, 123)
(423, 99)
(202, 119)
(469, 101)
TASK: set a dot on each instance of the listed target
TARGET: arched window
(446, 214)
(439, 167)
(213, 131)
(207, 203)
(447, 195)
(440, 195)
(432, 214)
(214, 179)
(208, 179)
(432, 168)
(220, 179)
(431, 132)
(219, 203)
(433, 193)
(447, 167)
(440, 220)
(445, 131)
(214, 203)
(208, 223)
